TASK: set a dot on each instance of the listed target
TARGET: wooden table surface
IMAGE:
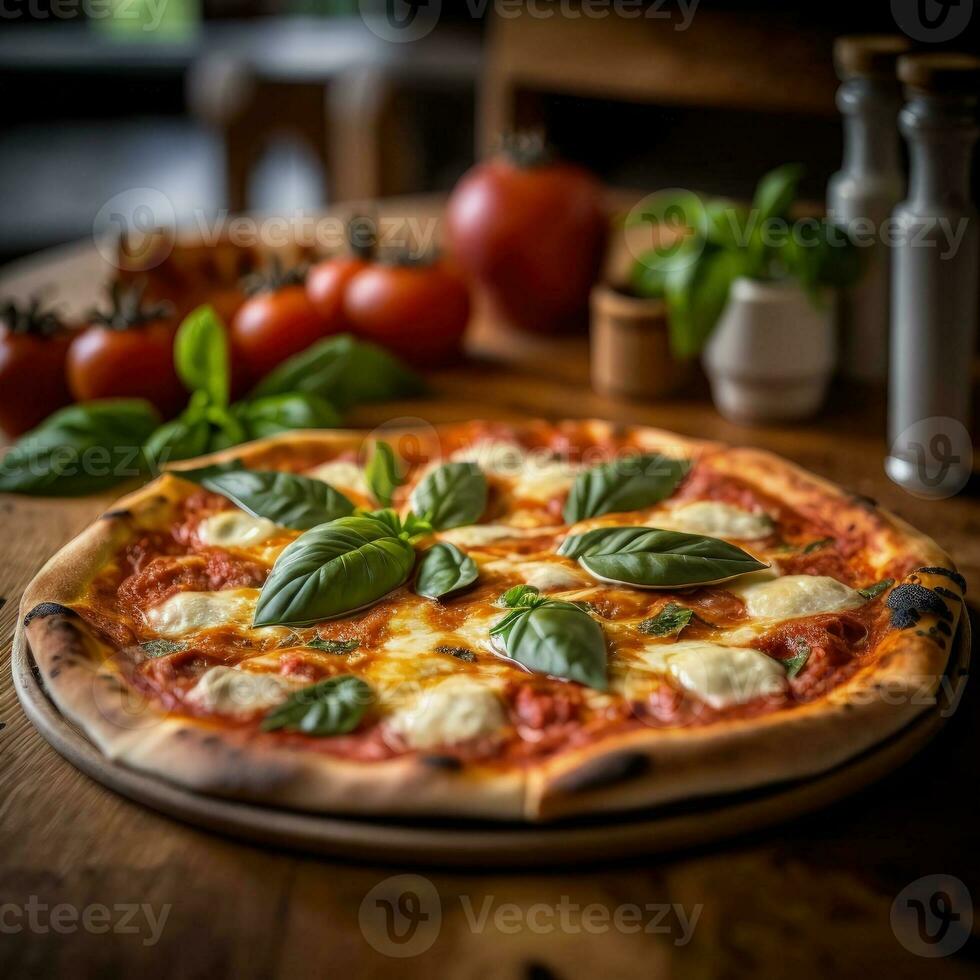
(93, 885)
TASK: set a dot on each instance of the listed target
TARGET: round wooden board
(468, 843)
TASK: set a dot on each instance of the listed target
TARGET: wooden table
(809, 899)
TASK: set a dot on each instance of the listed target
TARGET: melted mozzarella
(496, 456)
(453, 710)
(795, 595)
(536, 474)
(343, 475)
(550, 576)
(716, 520)
(475, 535)
(235, 529)
(238, 692)
(190, 612)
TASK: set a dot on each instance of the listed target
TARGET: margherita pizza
(504, 621)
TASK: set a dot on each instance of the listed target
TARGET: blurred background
(286, 104)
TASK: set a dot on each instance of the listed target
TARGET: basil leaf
(290, 500)
(655, 559)
(178, 439)
(519, 595)
(80, 449)
(383, 473)
(451, 495)
(344, 371)
(160, 648)
(669, 621)
(201, 354)
(776, 191)
(444, 569)
(331, 570)
(817, 545)
(873, 591)
(624, 484)
(331, 707)
(696, 296)
(556, 638)
(798, 661)
(333, 646)
(282, 413)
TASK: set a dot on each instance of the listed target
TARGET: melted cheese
(551, 576)
(496, 456)
(235, 529)
(716, 520)
(721, 676)
(453, 710)
(191, 612)
(475, 535)
(534, 474)
(343, 476)
(793, 596)
(238, 692)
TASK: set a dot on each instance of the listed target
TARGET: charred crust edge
(45, 609)
(123, 513)
(948, 573)
(604, 771)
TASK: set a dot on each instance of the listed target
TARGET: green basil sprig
(383, 474)
(325, 645)
(81, 449)
(331, 707)
(287, 499)
(451, 495)
(873, 591)
(553, 637)
(201, 355)
(344, 371)
(444, 570)
(798, 661)
(656, 559)
(334, 569)
(669, 621)
(624, 484)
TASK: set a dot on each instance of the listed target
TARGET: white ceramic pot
(772, 353)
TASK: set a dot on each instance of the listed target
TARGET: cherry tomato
(273, 325)
(326, 285)
(419, 312)
(33, 345)
(533, 234)
(129, 362)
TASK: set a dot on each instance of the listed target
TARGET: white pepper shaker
(934, 279)
(863, 193)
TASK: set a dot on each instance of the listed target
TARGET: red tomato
(274, 325)
(127, 362)
(33, 346)
(533, 236)
(419, 312)
(326, 285)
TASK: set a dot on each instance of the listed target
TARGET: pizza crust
(639, 768)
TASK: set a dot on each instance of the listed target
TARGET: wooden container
(630, 353)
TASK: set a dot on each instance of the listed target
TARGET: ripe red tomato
(533, 235)
(273, 325)
(419, 312)
(33, 345)
(326, 285)
(127, 362)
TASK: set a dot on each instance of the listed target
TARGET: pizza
(492, 620)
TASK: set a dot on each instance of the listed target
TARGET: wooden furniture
(811, 898)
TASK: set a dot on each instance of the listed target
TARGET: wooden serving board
(468, 843)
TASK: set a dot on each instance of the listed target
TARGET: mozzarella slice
(454, 710)
(724, 676)
(550, 576)
(475, 535)
(235, 529)
(496, 456)
(190, 612)
(795, 595)
(535, 473)
(238, 692)
(343, 475)
(716, 520)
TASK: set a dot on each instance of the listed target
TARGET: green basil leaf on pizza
(624, 484)
(334, 706)
(383, 473)
(333, 569)
(287, 499)
(669, 621)
(451, 495)
(651, 558)
(443, 571)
